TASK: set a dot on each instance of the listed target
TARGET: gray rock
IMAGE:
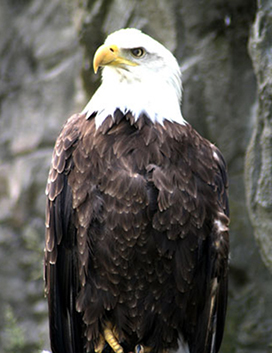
(258, 169)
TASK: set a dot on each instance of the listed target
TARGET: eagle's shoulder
(58, 192)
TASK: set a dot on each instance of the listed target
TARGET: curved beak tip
(104, 55)
(95, 68)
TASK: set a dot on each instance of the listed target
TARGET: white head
(139, 75)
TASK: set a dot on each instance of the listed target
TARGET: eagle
(136, 244)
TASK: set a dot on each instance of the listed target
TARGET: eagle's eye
(138, 52)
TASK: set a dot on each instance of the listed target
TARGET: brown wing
(212, 283)
(219, 289)
(191, 227)
(61, 267)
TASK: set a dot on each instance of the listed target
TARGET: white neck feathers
(158, 101)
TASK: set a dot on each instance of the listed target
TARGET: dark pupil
(137, 52)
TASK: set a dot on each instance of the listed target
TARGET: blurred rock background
(224, 49)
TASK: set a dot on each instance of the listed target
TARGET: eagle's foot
(109, 336)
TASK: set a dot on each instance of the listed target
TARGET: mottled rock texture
(224, 49)
(259, 153)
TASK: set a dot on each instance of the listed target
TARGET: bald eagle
(136, 255)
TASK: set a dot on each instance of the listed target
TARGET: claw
(139, 349)
(110, 336)
(142, 349)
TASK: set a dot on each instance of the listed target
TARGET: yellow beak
(110, 55)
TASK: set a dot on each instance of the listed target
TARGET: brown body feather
(137, 235)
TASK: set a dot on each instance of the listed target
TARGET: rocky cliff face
(259, 152)
(46, 50)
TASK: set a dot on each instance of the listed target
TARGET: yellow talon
(110, 337)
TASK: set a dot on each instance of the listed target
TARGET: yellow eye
(137, 52)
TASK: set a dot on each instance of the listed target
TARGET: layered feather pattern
(137, 235)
